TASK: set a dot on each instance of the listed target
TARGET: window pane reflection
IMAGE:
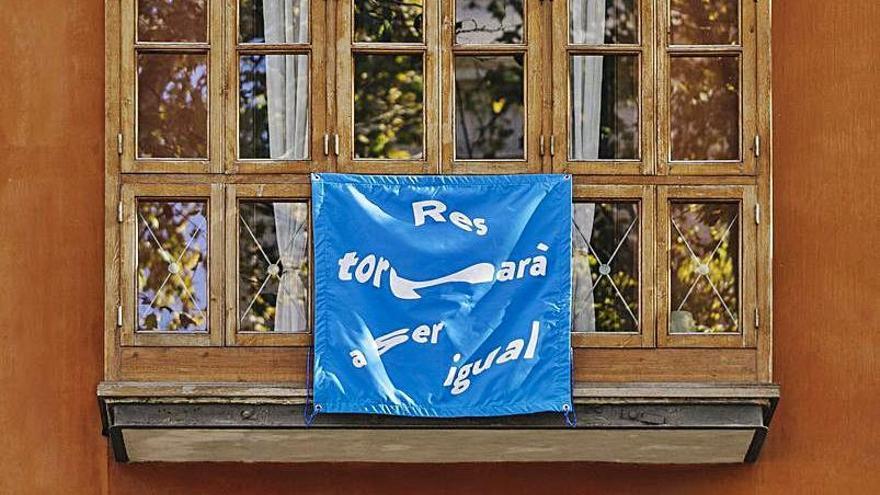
(704, 264)
(398, 21)
(704, 22)
(273, 114)
(488, 21)
(605, 267)
(273, 21)
(388, 106)
(596, 22)
(172, 20)
(273, 267)
(489, 107)
(704, 108)
(172, 266)
(172, 105)
(604, 95)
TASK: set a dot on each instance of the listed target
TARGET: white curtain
(287, 79)
(292, 238)
(287, 95)
(587, 27)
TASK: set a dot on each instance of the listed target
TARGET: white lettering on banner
(434, 209)
(422, 334)
(370, 268)
(460, 378)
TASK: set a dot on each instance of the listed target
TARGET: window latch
(336, 144)
(326, 144)
(119, 316)
(757, 214)
(757, 318)
(119, 212)
(119, 144)
(552, 145)
(541, 146)
(757, 145)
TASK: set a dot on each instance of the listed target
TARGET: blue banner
(442, 296)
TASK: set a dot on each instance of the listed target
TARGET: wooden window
(268, 280)
(172, 265)
(707, 278)
(387, 87)
(171, 85)
(276, 86)
(603, 86)
(612, 272)
(492, 62)
(217, 111)
(708, 71)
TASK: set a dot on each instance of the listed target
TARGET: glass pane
(388, 107)
(604, 107)
(704, 22)
(273, 21)
(704, 268)
(397, 21)
(704, 116)
(273, 267)
(488, 21)
(172, 20)
(596, 22)
(605, 267)
(273, 107)
(172, 266)
(172, 105)
(489, 107)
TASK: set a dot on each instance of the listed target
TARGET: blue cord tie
(311, 409)
(571, 418)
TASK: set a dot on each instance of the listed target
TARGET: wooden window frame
(744, 360)
(563, 50)
(345, 51)
(746, 50)
(534, 106)
(213, 197)
(746, 198)
(130, 47)
(235, 194)
(643, 196)
(315, 49)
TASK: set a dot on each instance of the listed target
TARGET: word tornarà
(372, 270)
(460, 378)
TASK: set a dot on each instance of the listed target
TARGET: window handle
(552, 145)
(541, 146)
(326, 144)
(336, 144)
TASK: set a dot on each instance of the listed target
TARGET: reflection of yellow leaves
(498, 105)
(399, 154)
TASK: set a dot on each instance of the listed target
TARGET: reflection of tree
(388, 20)
(704, 22)
(172, 265)
(611, 222)
(261, 305)
(489, 21)
(172, 105)
(171, 20)
(704, 108)
(388, 106)
(489, 107)
(712, 232)
(253, 122)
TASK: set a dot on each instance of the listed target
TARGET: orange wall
(825, 436)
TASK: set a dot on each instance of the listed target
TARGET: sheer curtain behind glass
(287, 80)
(587, 27)
(292, 236)
(287, 89)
